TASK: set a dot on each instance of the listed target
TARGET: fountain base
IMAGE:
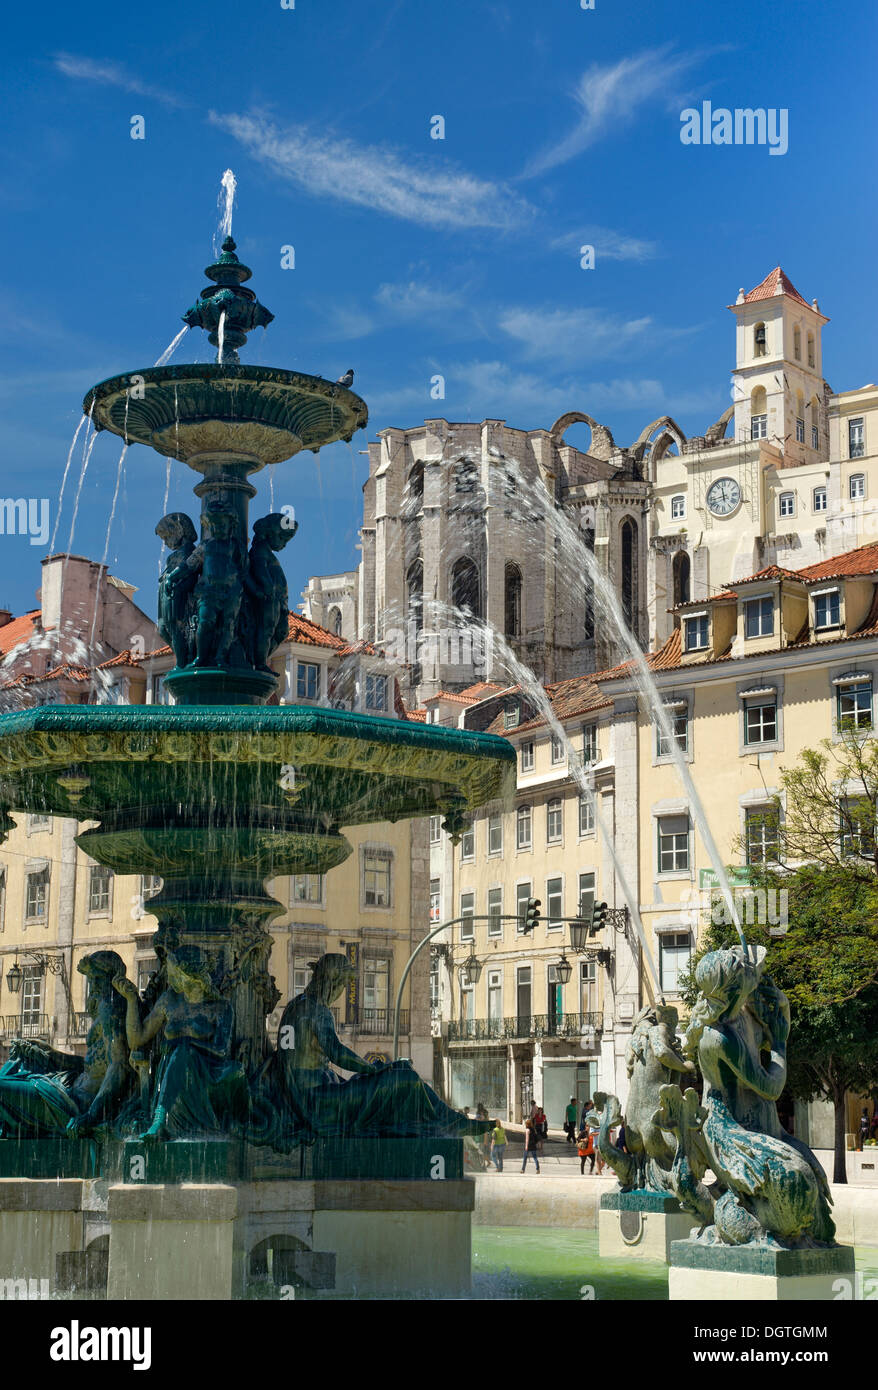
(641, 1225)
(222, 1240)
(766, 1274)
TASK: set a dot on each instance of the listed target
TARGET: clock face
(723, 496)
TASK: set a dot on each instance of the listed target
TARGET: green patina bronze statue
(198, 1089)
(220, 588)
(176, 621)
(770, 1188)
(309, 1099)
(268, 602)
(44, 1093)
(652, 1059)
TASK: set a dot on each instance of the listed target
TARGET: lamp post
(14, 978)
(563, 969)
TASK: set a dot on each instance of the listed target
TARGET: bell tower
(777, 384)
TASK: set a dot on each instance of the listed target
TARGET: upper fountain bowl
(265, 414)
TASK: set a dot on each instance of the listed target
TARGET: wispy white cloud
(580, 335)
(112, 75)
(610, 95)
(609, 245)
(376, 177)
(480, 388)
(414, 299)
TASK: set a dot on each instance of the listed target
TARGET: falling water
(226, 203)
(64, 476)
(569, 544)
(528, 682)
(82, 472)
(271, 491)
(99, 585)
(221, 334)
(171, 348)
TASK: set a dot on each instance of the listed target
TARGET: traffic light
(532, 914)
(598, 918)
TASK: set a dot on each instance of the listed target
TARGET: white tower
(777, 384)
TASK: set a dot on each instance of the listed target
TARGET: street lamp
(563, 969)
(13, 978)
(579, 928)
(471, 970)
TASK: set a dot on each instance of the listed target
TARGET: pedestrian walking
(570, 1120)
(541, 1127)
(498, 1145)
(585, 1149)
(583, 1117)
(863, 1132)
(530, 1146)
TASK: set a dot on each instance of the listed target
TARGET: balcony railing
(523, 1026)
(33, 1026)
(379, 1022)
(79, 1024)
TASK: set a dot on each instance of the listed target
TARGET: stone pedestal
(714, 1273)
(171, 1242)
(39, 1220)
(222, 1240)
(641, 1225)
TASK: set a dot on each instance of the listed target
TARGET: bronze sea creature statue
(44, 1093)
(652, 1060)
(770, 1188)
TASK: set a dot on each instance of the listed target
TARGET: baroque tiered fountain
(184, 1143)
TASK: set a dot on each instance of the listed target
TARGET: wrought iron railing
(523, 1026)
(379, 1022)
(79, 1024)
(32, 1026)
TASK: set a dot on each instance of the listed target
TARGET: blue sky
(414, 256)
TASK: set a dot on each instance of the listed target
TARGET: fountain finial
(227, 305)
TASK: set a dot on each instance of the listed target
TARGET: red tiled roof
(362, 647)
(850, 565)
(460, 699)
(18, 631)
(123, 659)
(416, 716)
(302, 630)
(775, 282)
(482, 689)
(770, 572)
(569, 698)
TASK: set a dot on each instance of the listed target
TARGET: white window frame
(558, 750)
(586, 817)
(527, 756)
(495, 836)
(820, 497)
(554, 923)
(786, 504)
(800, 430)
(703, 629)
(681, 943)
(555, 813)
(857, 437)
(750, 606)
(308, 900)
(495, 911)
(827, 594)
(102, 910)
(386, 856)
(306, 669)
(857, 487)
(524, 815)
(523, 891)
(675, 850)
(678, 506)
(468, 843)
(759, 426)
(467, 914)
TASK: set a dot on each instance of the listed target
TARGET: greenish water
(536, 1262)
